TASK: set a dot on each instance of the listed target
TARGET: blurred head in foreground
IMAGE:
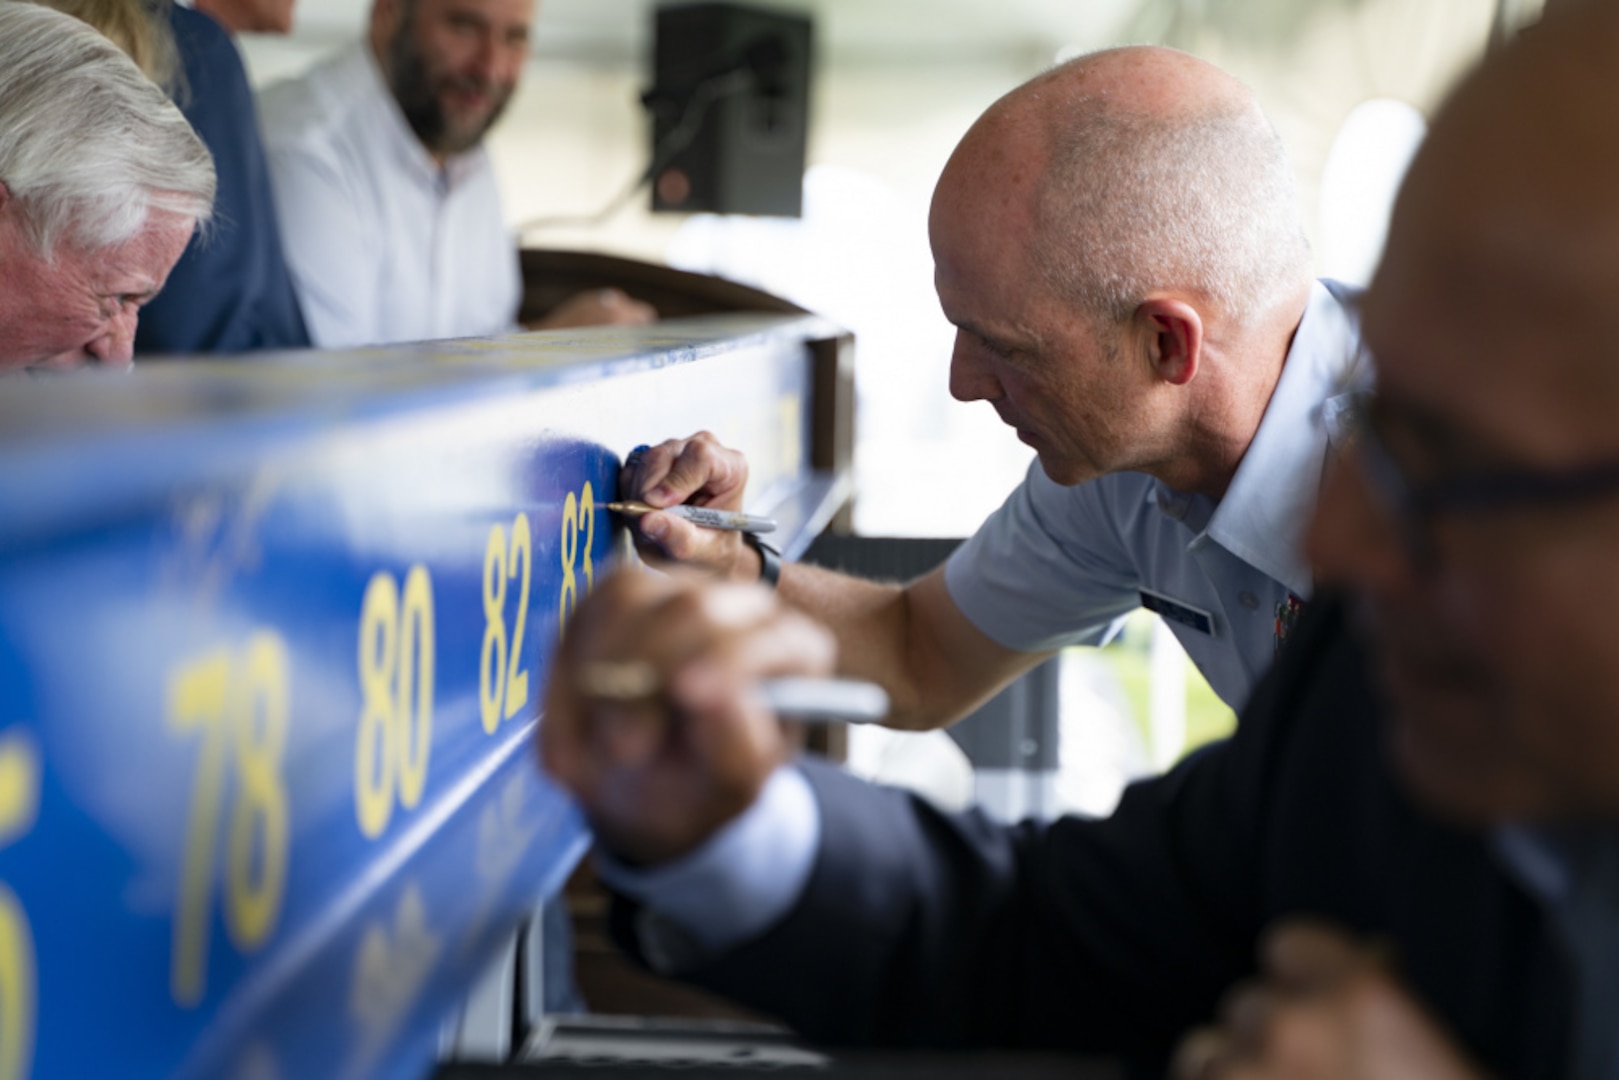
(1479, 522)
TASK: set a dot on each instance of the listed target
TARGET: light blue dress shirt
(1056, 566)
(736, 886)
(1060, 566)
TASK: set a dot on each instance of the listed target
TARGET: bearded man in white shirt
(390, 213)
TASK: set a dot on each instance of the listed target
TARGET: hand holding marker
(849, 701)
(702, 516)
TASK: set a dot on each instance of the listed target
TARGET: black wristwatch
(769, 559)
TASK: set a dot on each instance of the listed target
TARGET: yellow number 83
(577, 514)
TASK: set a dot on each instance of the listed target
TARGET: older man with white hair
(102, 183)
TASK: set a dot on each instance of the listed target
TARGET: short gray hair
(89, 146)
(1205, 200)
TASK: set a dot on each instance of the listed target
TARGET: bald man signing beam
(1118, 245)
(1433, 767)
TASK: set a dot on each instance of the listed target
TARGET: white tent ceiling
(893, 32)
(847, 30)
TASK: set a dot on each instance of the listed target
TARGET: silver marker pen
(702, 516)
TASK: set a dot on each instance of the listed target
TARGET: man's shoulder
(215, 92)
(1342, 291)
(1100, 524)
(1116, 497)
(198, 37)
(326, 104)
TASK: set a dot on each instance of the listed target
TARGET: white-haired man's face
(79, 306)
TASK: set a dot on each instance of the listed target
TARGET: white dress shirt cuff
(739, 884)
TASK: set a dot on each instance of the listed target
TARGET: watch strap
(769, 559)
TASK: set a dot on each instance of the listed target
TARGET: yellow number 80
(396, 684)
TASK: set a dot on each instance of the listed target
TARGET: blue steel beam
(272, 642)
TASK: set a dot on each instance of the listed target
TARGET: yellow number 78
(241, 705)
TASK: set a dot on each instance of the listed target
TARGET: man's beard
(413, 88)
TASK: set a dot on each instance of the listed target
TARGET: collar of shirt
(1262, 517)
(361, 66)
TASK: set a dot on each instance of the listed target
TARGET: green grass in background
(1207, 717)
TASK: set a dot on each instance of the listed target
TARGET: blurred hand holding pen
(805, 700)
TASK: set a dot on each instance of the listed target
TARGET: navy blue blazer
(926, 929)
(230, 292)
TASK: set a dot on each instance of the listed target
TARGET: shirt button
(1248, 600)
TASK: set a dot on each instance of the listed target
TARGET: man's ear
(1174, 332)
(5, 195)
(385, 16)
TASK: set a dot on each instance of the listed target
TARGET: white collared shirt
(384, 245)
(1058, 566)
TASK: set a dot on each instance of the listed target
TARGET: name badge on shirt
(1177, 612)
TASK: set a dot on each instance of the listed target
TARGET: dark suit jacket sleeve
(1114, 936)
(925, 928)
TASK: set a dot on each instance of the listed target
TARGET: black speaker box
(730, 109)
